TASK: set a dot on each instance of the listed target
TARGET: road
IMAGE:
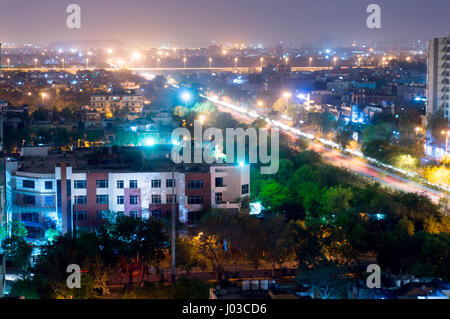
(337, 158)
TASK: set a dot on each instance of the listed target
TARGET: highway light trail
(431, 193)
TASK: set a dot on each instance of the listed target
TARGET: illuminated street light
(287, 60)
(335, 60)
(35, 63)
(310, 62)
(287, 96)
(202, 118)
(44, 96)
(235, 62)
(260, 103)
(110, 51)
(210, 63)
(7, 61)
(184, 62)
(186, 96)
(62, 60)
(261, 61)
(87, 63)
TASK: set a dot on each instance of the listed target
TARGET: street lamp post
(261, 61)
(310, 62)
(210, 63)
(334, 60)
(235, 62)
(43, 96)
(35, 63)
(87, 63)
(7, 61)
(62, 60)
(184, 62)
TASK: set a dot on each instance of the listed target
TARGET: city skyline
(183, 23)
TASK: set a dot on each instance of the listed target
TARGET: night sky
(198, 22)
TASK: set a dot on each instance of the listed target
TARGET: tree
(274, 195)
(188, 255)
(326, 281)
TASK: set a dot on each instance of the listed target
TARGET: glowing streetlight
(260, 103)
(7, 61)
(87, 63)
(210, 63)
(184, 62)
(110, 51)
(310, 62)
(35, 63)
(287, 96)
(235, 62)
(186, 96)
(202, 118)
(335, 60)
(62, 60)
(261, 61)
(43, 96)
(359, 61)
(287, 60)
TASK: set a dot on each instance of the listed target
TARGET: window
(48, 185)
(27, 184)
(170, 182)
(169, 198)
(219, 198)
(81, 215)
(102, 214)
(219, 181)
(102, 183)
(120, 200)
(30, 217)
(195, 200)
(133, 184)
(195, 184)
(156, 199)
(102, 199)
(156, 214)
(133, 200)
(49, 201)
(120, 213)
(79, 184)
(120, 184)
(156, 183)
(134, 214)
(80, 199)
(29, 199)
(244, 189)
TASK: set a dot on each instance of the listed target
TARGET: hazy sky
(195, 22)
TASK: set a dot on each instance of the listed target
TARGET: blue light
(241, 164)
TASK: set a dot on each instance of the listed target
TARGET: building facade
(67, 197)
(131, 101)
(438, 87)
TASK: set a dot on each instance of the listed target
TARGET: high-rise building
(438, 91)
(438, 76)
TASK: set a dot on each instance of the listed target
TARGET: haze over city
(199, 22)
